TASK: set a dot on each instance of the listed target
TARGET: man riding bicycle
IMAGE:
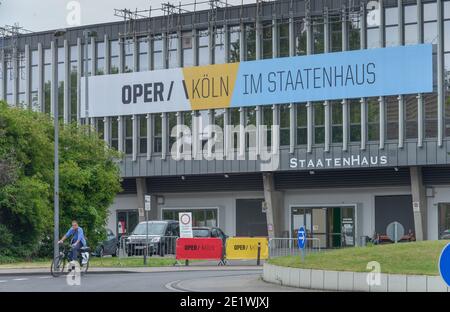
(78, 240)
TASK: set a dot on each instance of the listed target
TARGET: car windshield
(154, 228)
(200, 232)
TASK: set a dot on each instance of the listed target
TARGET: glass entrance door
(444, 221)
(126, 222)
(332, 226)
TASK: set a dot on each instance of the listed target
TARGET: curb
(35, 272)
(351, 281)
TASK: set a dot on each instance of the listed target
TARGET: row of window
(247, 117)
(145, 61)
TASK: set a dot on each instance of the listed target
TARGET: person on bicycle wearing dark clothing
(78, 240)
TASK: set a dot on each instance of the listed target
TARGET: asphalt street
(198, 281)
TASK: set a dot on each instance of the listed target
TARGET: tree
(89, 181)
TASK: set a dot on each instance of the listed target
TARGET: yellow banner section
(239, 248)
(210, 86)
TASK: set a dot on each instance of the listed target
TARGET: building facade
(348, 167)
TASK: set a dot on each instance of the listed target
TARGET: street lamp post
(57, 34)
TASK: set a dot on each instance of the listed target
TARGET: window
(142, 134)
(267, 120)
(172, 46)
(47, 79)
(355, 120)
(285, 131)
(250, 122)
(318, 36)
(203, 47)
(302, 124)
(410, 24)
(283, 37)
(219, 119)
(430, 106)
(22, 80)
(171, 124)
(410, 103)
(34, 80)
(234, 122)
(267, 41)
(61, 76)
(219, 46)
(391, 103)
(444, 219)
(143, 54)
(319, 123)
(391, 29)
(128, 47)
(234, 33)
(373, 38)
(114, 58)
(250, 42)
(186, 44)
(373, 119)
(73, 82)
(336, 121)
(430, 23)
(354, 33)
(114, 133)
(336, 33)
(88, 58)
(300, 37)
(157, 53)
(128, 134)
(100, 59)
(200, 217)
(157, 133)
(100, 127)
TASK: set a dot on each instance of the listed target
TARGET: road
(198, 281)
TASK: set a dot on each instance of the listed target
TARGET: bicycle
(59, 262)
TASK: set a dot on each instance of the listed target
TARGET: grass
(106, 262)
(419, 258)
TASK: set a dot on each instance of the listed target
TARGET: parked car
(209, 232)
(162, 237)
(445, 234)
(110, 246)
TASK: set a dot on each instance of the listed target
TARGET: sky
(40, 15)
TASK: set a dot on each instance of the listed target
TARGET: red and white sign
(199, 248)
(185, 219)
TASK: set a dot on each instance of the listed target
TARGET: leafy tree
(89, 181)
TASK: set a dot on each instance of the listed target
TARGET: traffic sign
(148, 199)
(444, 264)
(185, 220)
(301, 238)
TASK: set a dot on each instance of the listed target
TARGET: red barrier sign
(199, 248)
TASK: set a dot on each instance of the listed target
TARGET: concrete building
(348, 167)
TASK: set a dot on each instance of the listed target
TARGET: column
(419, 199)
(382, 121)
(326, 105)
(274, 203)
(135, 127)
(149, 135)
(66, 114)
(440, 72)
(40, 78)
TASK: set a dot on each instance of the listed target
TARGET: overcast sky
(39, 15)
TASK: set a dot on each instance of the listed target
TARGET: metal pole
(258, 258)
(146, 238)
(56, 160)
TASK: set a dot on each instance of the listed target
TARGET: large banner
(351, 74)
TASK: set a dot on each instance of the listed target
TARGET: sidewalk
(195, 266)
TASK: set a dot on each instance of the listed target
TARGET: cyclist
(78, 240)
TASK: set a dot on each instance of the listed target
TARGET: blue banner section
(341, 75)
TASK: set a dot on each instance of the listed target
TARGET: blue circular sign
(444, 264)
(301, 237)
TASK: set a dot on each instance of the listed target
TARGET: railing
(279, 247)
(155, 246)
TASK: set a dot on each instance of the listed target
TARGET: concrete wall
(121, 202)
(225, 202)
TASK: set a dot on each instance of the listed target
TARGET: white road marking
(44, 277)
(171, 287)
(3, 281)
(20, 279)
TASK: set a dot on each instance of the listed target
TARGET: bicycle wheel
(84, 268)
(58, 265)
